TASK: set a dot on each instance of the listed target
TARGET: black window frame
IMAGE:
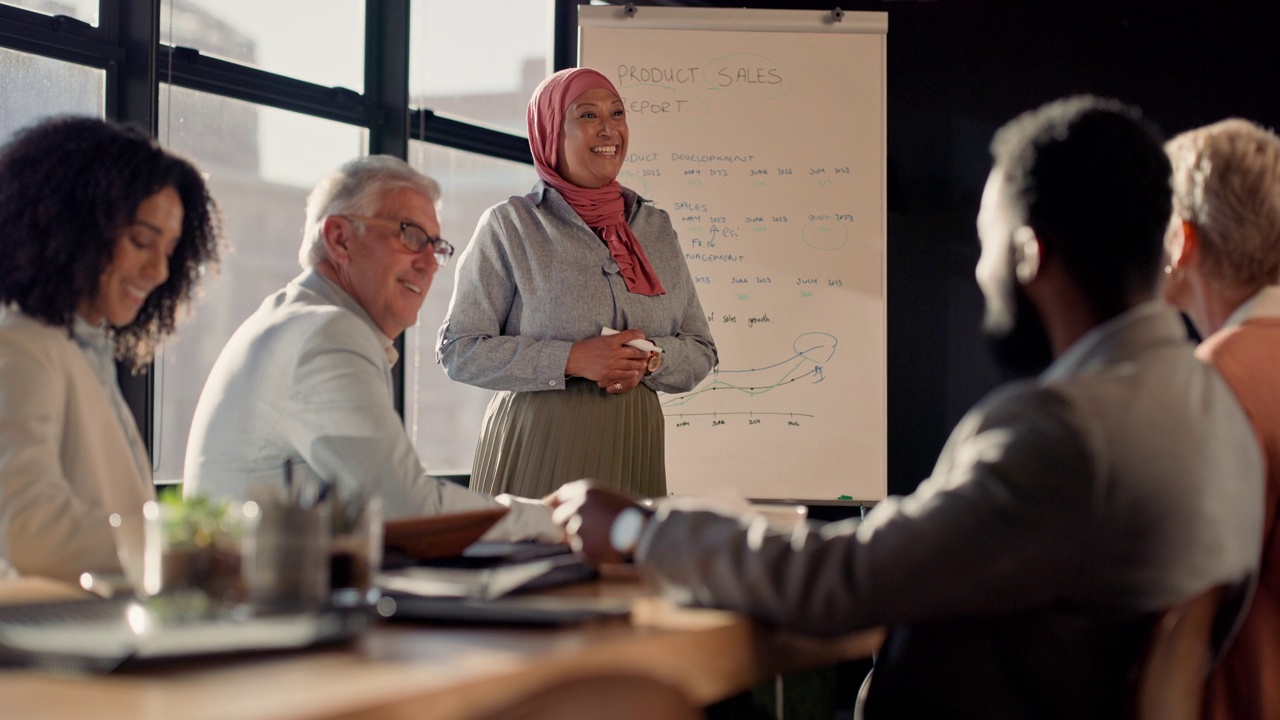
(127, 45)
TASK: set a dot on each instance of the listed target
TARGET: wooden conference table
(450, 672)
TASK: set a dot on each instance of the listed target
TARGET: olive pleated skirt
(533, 442)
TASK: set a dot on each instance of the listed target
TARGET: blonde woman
(1223, 244)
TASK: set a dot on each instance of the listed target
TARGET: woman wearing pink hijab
(543, 277)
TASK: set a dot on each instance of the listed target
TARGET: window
(264, 124)
(261, 163)
(321, 43)
(479, 60)
(33, 87)
(83, 10)
(443, 416)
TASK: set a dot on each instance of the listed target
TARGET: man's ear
(336, 234)
(1027, 254)
(1188, 251)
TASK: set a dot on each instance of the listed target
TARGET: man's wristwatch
(624, 536)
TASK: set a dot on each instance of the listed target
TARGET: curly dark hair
(68, 187)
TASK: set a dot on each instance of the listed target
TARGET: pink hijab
(600, 208)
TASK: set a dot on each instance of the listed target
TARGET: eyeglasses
(414, 238)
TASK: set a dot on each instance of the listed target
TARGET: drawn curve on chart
(810, 354)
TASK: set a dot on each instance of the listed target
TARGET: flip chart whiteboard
(762, 134)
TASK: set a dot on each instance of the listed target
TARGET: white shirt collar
(96, 343)
(1264, 304)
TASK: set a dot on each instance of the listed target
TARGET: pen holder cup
(356, 554)
(289, 571)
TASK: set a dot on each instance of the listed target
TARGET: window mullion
(133, 97)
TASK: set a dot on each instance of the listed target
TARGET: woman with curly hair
(104, 235)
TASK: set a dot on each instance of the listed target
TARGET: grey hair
(356, 188)
(1226, 182)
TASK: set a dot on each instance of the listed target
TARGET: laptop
(102, 635)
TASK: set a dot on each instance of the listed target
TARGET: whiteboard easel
(762, 134)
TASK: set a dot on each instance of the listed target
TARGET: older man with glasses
(306, 380)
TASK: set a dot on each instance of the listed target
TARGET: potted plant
(199, 545)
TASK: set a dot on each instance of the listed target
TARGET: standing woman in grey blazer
(104, 235)
(544, 275)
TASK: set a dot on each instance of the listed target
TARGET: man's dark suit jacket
(1021, 579)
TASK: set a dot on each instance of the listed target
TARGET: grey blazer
(1021, 578)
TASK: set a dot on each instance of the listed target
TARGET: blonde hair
(1226, 182)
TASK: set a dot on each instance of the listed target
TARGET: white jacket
(308, 378)
(66, 463)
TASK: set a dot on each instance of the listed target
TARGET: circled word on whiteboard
(746, 74)
(825, 232)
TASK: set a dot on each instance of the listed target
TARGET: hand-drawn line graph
(811, 353)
